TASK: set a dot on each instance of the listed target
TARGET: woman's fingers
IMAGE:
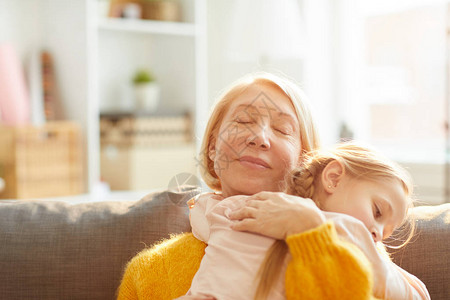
(275, 215)
(245, 225)
(254, 203)
(243, 213)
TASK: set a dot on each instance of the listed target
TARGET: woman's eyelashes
(285, 130)
(244, 118)
(280, 127)
(283, 127)
(244, 121)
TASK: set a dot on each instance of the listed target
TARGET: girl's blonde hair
(359, 162)
(309, 137)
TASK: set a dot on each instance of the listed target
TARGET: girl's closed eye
(377, 211)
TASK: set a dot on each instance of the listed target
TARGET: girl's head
(257, 132)
(357, 181)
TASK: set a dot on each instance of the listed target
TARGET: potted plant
(146, 91)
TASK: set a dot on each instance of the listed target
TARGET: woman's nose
(258, 138)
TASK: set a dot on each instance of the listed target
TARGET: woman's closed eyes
(284, 128)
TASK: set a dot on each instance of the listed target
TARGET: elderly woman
(257, 133)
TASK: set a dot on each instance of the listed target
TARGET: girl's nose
(376, 234)
(258, 138)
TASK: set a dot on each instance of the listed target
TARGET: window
(394, 85)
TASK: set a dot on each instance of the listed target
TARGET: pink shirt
(232, 258)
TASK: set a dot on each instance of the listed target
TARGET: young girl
(348, 179)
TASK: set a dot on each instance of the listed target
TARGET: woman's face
(258, 142)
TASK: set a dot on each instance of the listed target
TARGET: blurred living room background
(113, 95)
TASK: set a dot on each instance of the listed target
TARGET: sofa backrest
(427, 255)
(55, 250)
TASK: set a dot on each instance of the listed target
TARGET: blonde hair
(309, 137)
(359, 162)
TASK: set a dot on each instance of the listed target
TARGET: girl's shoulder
(205, 202)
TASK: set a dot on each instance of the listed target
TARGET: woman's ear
(331, 176)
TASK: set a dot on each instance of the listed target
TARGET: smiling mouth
(254, 162)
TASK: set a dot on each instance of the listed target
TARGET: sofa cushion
(56, 250)
(427, 255)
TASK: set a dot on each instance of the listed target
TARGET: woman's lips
(254, 162)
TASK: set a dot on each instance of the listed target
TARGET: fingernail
(228, 212)
(191, 202)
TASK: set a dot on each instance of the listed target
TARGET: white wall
(58, 26)
(314, 71)
(20, 25)
(64, 35)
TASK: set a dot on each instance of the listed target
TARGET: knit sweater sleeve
(325, 267)
(164, 271)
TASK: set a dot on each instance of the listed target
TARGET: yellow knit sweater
(322, 267)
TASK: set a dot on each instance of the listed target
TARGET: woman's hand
(275, 215)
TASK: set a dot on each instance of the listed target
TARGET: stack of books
(131, 130)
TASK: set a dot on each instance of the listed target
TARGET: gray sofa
(56, 250)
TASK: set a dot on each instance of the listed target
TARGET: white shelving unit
(175, 52)
(94, 56)
(148, 26)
